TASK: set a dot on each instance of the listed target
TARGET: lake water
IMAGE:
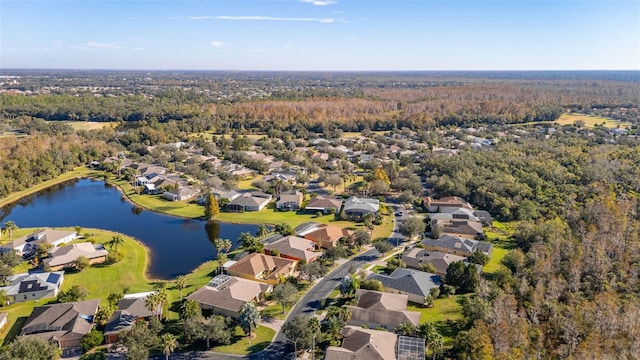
(177, 246)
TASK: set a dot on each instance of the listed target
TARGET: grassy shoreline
(79, 172)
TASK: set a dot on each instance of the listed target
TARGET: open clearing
(89, 125)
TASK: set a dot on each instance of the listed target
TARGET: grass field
(243, 345)
(446, 314)
(589, 121)
(81, 171)
(500, 235)
(89, 125)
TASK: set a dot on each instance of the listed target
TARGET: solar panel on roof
(53, 278)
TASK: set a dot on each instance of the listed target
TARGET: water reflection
(177, 246)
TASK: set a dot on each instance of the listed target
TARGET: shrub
(114, 257)
(91, 340)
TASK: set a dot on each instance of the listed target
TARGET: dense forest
(570, 283)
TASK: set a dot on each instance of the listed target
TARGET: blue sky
(321, 34)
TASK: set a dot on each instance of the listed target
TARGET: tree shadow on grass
(15, 330)
(258, 346)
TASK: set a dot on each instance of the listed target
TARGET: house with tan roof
(254, 201)
(64, 324)
(289, 201)
(64, 256)
(328, 236)
(437, 205)
(226, 294)
(378, 309)
(363, 344)
(26, 245)
(294, 248)
(324, 203)
(263, 268)
(462, 228)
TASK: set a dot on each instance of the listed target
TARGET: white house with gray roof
(25, 286)
(356, 207)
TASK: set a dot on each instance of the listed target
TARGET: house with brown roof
(436, 205)
(226, 294)
(26, 245)
(64, 324)
(462, 228)
(363, 344)
(324, 203)
(263, 268)
(294, 248)
(327, 236)
(378, 309)
(64, 256)
(34, 286)
(289, 201)
(131, 309)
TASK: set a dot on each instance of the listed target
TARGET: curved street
(280, 348)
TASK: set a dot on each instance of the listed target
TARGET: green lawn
(444, 309)
(243, 345)
(99, 280)
(500, 235)
(274, 310)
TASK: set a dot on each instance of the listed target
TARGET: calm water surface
(177, 245)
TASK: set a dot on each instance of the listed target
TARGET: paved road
(280, 348)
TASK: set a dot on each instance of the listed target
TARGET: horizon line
(316, 70)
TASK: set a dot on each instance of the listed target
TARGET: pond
(177, 246)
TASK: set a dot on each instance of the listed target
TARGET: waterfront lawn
(243, 345)
(195, 280)
(99, 280)
(159, 204)
(81, 171)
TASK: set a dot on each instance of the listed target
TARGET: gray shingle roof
(409, 281)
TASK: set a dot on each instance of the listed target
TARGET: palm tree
(314, 326)
(116, 242)
(181, 283)
(249, 316)
(169, 344)
(406, 329)
(163, 297)
(152, 302)
(10, 227)
(262, 231)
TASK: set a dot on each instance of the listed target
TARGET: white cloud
(99, 45)
(56, 44)
(253, 50)
(271, 18)
(320, 2)
(218, 44)
(200, 17)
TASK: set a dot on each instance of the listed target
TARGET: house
(289, 201)
(324, 203)
(363, 344)
(262, 268)
(327, 236)
(36, 286)
(226, 294)
(379, 309)
(131, 308)
(64, 256)
(463, 228)
(3, 320)
(457, 245)
(356, 207)
(64, 324)
(150, 189)
(294, 248)
(484, 217)
(218, 194)
(450, 214)
(415, 284)
(255, 201)
(26, 245)
(416, 258)
(436, 205)
(180, 194)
